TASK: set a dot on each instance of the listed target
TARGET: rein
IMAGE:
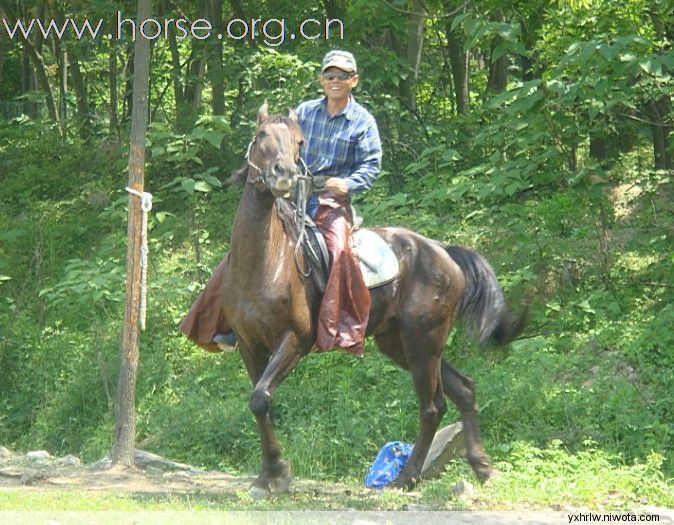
(301, 214)
(304, 182)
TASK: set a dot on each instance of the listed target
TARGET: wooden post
(125, 414)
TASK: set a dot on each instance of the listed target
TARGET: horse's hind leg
(424, 365)
(275, 473)
(461, 390)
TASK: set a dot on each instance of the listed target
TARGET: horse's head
(274, 154)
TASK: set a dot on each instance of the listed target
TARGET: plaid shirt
(345, 146)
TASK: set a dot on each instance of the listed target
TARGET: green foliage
(582, 403)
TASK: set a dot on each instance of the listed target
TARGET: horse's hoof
(281, 476)
(404, 483)
(483, 468)
(258, 493)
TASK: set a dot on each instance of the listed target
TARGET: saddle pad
(378, 264)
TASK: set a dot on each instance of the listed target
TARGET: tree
(125, 428)
(458, 58)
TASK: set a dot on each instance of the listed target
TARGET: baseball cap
(341, 59)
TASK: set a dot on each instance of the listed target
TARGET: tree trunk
(187, 91)
(498, 69)
(215, 70)
(175, 60)
(127, 101)
(27, 83)
(80, 89)
(413, 48)
(125, 417)
(43, 79)
(458, 59)
(598, 148)
(188, 112)
(658, 113)
(333, 10)
(112, 80)
(62, 63)
(33, 50)
(4, 46)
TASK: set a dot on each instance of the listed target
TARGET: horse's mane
(240, 175)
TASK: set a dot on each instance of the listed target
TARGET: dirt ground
(154, 475)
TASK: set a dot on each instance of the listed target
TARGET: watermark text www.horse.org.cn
(272, 31)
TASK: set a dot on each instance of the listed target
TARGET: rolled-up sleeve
(367, 159)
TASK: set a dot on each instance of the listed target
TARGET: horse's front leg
(275, 474)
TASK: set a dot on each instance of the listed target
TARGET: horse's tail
(483, 307)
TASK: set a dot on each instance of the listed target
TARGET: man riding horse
(276, 311)
(341, 142)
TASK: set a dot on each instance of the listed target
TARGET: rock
(463, 490)
(149, 460)
(258, 494)
(38, 455)
(68, 461)
(102, 464)
(32, 476)
(4, 453)
(448, 443)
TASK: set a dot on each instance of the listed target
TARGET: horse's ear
(239, 176)
(262, 113)
(292, 115)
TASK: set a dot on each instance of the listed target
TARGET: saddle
(377, 262)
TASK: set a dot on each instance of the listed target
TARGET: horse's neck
(258, 238)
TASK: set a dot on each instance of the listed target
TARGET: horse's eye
(261, 134)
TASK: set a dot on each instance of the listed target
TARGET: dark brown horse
(273, 309)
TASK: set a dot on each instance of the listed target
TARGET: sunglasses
(341, 75)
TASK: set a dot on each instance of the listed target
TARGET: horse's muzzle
(282, 181)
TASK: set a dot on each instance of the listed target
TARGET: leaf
(188, 185)
(202, 186)
(5, 278)
(457, 20)
(585, 307)
(161, 216)
(647, 66)
(213, 181)
(451, 154)
(214, 138)
(499, 51)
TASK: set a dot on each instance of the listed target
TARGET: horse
(273, 307)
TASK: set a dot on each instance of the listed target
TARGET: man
(341, 142)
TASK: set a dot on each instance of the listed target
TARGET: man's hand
(337, 186)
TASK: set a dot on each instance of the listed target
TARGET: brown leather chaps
(344, 310)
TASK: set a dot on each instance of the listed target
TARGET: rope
(145, 206)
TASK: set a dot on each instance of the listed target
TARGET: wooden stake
(125, 414)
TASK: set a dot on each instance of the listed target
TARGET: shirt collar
(348, 111)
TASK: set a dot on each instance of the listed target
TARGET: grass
(528, 478)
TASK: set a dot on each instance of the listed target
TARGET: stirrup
(226, 342)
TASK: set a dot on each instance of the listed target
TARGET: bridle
(304, 185)
(261, 177)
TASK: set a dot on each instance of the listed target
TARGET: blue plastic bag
(390, 460)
